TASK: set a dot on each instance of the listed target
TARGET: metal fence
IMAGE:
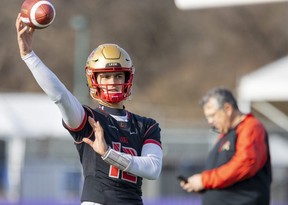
(52, 174)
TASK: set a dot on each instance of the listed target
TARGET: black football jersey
(104, 183)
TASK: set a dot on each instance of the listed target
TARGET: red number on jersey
(115, 171)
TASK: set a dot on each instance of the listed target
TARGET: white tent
(25, 115)
(258, 89)
(202, 4)
(29, 115)
(263, 86)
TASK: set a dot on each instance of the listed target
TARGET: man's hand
(24, 37)
(194, 184)
(99, 145)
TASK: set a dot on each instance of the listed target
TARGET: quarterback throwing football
(117, 148)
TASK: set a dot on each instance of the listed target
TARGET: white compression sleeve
(70, 108)
(149, 164)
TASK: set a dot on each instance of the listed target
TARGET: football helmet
(109, 58)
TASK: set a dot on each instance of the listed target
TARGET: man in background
(238, 168)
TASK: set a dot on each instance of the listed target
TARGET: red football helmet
(109, 58)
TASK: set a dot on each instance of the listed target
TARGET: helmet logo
(113, 65)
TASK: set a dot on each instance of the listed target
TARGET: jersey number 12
(115, 172)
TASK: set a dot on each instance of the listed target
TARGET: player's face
(216, 116)
(111, 82)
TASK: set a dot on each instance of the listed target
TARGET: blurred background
(179, 54)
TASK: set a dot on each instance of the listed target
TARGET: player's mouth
(112, 90)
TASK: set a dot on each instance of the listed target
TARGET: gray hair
(222, 96)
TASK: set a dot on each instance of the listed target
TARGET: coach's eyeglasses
(212, 116)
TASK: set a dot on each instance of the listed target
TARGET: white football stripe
(25, 20)
(33, 13)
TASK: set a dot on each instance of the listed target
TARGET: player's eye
(104, 75)
(120, 75)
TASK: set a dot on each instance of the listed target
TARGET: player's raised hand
(99, 145)
(24, 37)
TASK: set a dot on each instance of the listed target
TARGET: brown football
(37, 14)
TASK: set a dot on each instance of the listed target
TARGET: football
(37, 14)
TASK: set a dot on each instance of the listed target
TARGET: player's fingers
(17, 20)
(88, 141)
(22, 31)
(99, 128)
(31, 30)
(99, 132)
(18, 23)
(92, 122)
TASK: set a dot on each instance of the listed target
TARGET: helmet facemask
(103, 91)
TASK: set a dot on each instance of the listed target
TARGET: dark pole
(81, 51)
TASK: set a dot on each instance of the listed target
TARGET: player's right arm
(71, 109)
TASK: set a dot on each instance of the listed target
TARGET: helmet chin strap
(118, 105)
(113, 97)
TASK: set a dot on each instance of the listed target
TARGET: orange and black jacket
(238, 169)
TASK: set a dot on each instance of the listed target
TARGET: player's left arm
(148, 165)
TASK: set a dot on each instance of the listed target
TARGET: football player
(116, 147)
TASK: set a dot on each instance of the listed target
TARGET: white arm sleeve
(149, 164)
(70, 108)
